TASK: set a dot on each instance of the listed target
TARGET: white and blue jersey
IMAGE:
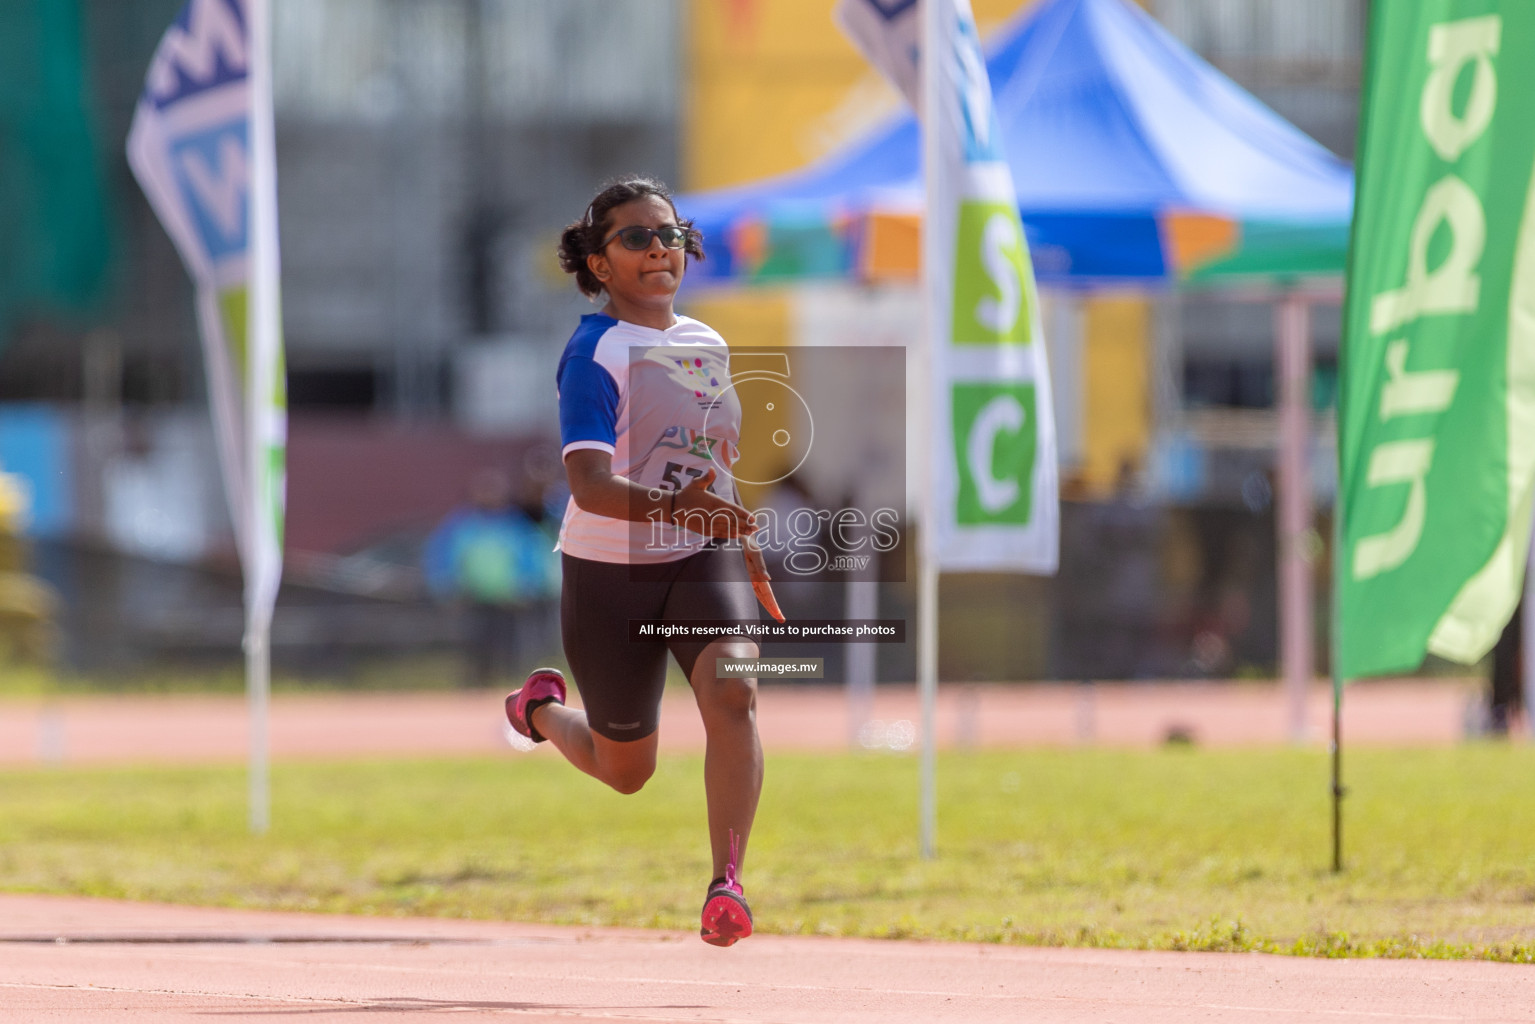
(661, 403)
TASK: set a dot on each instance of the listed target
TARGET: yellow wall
(774, 85)
(1116, 407)
(745, 318)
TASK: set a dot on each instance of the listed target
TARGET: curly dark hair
(583, 237)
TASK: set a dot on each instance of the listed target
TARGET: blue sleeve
(588, 402)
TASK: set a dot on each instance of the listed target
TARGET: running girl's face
(643, 277)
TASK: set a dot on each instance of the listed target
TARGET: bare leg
(626, 766)
(732, 752)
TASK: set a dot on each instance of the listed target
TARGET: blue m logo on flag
(206, 48)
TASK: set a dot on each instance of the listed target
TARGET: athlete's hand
(756, 568)
(699, 509)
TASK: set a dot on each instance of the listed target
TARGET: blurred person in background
(1506, 696)
(28, 606)
(494, 562)
(647, 423)
(1127, 535)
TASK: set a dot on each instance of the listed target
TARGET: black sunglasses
(638, 238)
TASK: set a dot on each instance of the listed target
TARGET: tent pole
(927, 686)
(1337, 774)
(861, 601)
(1527, 626)
(1292, 364)
(930, 31)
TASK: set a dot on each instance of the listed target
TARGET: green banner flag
(54, 238)
(995, 505)
(1437, 407)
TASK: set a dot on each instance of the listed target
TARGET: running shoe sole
(726, 918)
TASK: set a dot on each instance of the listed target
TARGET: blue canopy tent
(1135, 163)
(1133, 160)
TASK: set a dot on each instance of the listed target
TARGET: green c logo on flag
(993, 282)
(994, 441)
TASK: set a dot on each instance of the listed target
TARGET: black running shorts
(621, 680)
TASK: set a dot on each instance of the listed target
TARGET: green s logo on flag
(993, 282)
(994, 441)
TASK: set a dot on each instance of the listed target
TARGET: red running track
(206, 729)
(89, 961)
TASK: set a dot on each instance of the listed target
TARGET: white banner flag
(201, 147)
(992, 435)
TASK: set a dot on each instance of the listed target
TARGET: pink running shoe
(726, 917)
(543, 685)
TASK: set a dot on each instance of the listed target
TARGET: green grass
(1168, 849)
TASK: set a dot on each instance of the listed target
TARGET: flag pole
(927, 569)
(261, 334)
(927, 684)
(1335, 650)
(1337, 775)
(257, 688)
(233, 266)
(1527, 637)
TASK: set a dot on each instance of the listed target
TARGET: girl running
(654, 531)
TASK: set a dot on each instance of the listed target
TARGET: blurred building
(1164, 400)
(429, 152)
(1212, 454)
(1215, 354)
